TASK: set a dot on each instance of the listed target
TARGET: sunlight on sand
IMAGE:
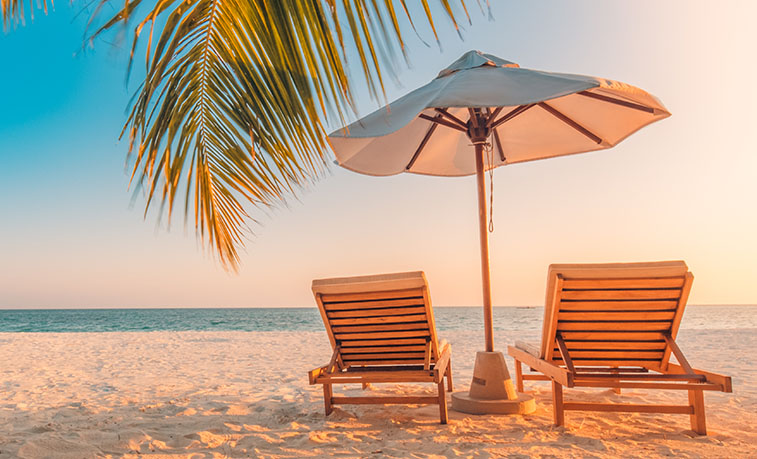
(236, 394)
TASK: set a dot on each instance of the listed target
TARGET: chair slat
(374, 304)
(655, 294)
(385, 362)
(620, 316)
(382, 342)
(380, 328)
(613, 362)
(622, 354)
(376, 349)
(364, 296)
(584, 284)
(380, 320)
(385, 356)
(384, 335)
(377, 312)
(633, 305)
(651, 345)
(416, 370)
(613, 335)
(608, 326)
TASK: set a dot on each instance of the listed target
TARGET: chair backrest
(382, 319)
(614, 314)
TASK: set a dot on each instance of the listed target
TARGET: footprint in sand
(237, 410)
(323, 437)
(41, 429)
(55, 446)
(256, 428)
(207, 439)
(234, 427)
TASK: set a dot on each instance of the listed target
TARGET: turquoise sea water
(308, 319)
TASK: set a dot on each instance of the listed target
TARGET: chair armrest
(315, 373)
(556, 373)
(328, 368)
(440, 367)
(531, 348)
(723, 381)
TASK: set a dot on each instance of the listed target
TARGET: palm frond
(232, 106)
(14, 11)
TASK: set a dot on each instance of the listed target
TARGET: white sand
(237, 394)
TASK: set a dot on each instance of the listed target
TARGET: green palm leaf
(234, 96)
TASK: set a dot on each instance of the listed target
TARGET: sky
(73, 236)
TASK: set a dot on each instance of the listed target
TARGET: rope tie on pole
(489, 158)
(490, 163)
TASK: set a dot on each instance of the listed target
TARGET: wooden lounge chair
(614, 326)
(381, 330)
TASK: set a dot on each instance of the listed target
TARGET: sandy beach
(245, 394)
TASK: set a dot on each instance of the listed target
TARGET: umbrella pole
(492, 390)
(484, 239)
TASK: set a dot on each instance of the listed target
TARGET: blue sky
(684, 188)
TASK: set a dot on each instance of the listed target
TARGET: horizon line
(294, 307)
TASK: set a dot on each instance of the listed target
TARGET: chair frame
(436, 366)
(660, 375)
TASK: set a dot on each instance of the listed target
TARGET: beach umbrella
(482, 112)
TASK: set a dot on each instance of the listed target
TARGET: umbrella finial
(473, 59)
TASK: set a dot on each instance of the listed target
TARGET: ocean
(308, 319)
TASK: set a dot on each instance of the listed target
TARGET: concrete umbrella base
(492, 390)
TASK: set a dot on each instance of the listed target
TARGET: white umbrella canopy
(483, 100)
(530, 115)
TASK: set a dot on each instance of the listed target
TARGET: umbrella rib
(493, 115)
(512, 114)
(570, 122)
(615, 101)
(473, 120)
(442, 121)
(423, 143)
(452, 117)
(499, 145)
(489, 116)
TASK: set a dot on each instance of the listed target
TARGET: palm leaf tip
(13, 12)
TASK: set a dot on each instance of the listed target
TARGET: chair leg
(327, 394)
(449, 376)
(696, 400)
(518, 376)
(557, 404)
(442, 403)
